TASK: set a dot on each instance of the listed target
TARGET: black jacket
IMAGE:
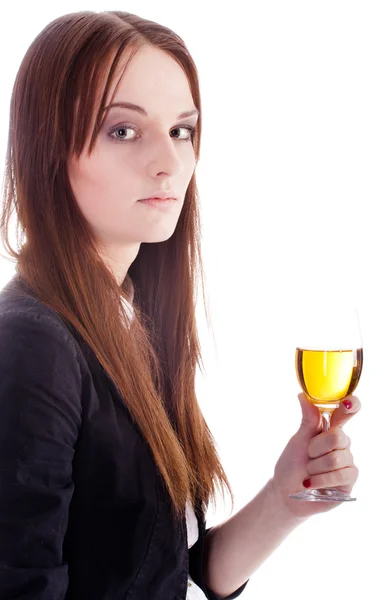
(84, 514)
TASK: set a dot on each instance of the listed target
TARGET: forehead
(154, 80)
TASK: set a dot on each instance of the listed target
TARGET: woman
(107, 464)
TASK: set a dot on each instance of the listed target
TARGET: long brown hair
(58, 97)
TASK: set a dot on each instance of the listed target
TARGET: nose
(165, 157)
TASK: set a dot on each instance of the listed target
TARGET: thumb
(311, 418)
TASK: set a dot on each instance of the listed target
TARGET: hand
(322, 457)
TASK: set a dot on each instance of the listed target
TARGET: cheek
(192, 166)
(188, 169)
(99, 190)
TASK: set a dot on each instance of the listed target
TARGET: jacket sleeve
(196, 554)
(235, 594)
(40, 407)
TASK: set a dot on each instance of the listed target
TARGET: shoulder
(22, 317)
(41, 377)
(37, 349)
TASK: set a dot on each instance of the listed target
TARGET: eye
(190, 129)
(124, 128)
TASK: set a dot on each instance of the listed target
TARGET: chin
(157, 236)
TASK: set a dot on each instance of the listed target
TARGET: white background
(287, 180)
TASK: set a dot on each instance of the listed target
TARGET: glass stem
(325, 419)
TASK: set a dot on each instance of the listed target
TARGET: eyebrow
(143, 112)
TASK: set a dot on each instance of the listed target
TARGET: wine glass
(329, 361)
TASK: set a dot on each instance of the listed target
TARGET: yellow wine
(328, 376)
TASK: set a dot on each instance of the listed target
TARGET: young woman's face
(138, 156)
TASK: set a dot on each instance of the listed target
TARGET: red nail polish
(347, 404)
(306, 483)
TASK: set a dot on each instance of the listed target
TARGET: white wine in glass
(329, 361)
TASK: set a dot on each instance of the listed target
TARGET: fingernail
(306, 483)
(347, 404)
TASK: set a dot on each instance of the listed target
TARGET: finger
(343, 414)
(327, 441)
(339, 459)
(311, 417)
(342, 477)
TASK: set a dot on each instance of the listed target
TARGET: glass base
(325, 495)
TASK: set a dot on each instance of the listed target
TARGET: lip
(160, 196)
(161, 203)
